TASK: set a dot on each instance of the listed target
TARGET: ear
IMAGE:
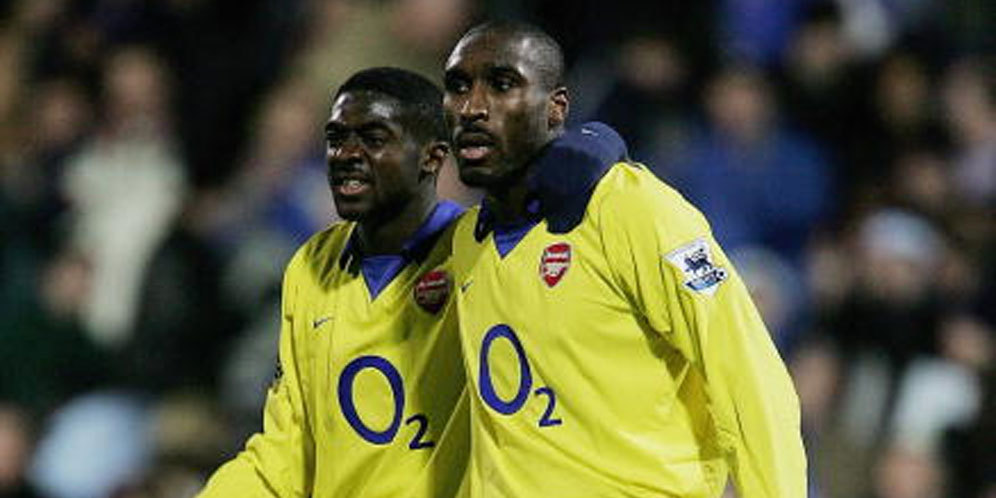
(558, 108)
(433, 157)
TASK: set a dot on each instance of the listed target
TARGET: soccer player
(367, 398)
(611, 346)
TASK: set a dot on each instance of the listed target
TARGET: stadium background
(161, 159)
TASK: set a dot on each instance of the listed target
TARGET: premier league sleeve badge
(694, 260)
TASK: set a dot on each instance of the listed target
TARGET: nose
(349, 150)
(475, 105)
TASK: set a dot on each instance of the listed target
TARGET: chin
(477, 176)
(350, 212)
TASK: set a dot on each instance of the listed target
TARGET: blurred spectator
(181, 315)
(586, 27)
(902, 473)
(969, 102)
(124, 188)
(968, 24)
(278, 198)
(886, 317)
(954, 392)
(901, 120)
(822, 88)
(899, 255)
(189, 434)
(62, 115)
(776, 290)
(756, 181)
(648, 99)
(46, 357)
(868, 26)
(413, 34)
(16, 447)
(970, 449)
(757, 30)
(94, 446)
(892, 310)
(248, 370)
(281, 184)
(921, 182)
(225, 54)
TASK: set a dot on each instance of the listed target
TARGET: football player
(611, 346)
(368, 396)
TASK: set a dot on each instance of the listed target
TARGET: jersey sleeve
(279, 460)
(666, 261)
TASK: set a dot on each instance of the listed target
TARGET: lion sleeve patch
(696, 264)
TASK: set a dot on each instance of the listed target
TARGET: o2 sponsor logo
(393, 377)
(513, 405)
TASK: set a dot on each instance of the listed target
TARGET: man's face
(373, 161)
(497, 107)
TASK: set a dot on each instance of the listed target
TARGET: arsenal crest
(554, 263)
(432, 290)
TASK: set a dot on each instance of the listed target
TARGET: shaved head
(546, 53)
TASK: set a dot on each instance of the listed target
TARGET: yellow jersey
(369, 399)
(611, 347)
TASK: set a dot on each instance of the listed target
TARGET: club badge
(554, 263)
(432, 291)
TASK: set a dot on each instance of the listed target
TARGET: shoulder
(631, 197)
(320, 254)
(569, 168)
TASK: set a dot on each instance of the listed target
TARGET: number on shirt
(486, 385)
(346, 380)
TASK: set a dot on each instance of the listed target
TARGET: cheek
(527, 129)
(450, 112)
(397, 174)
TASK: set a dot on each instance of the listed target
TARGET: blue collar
(379, 270)
(562, 179)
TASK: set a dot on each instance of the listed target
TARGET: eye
(374, 140)
(502, 83)
(335, 138)
(457, 85)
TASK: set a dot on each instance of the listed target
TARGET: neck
(508, 200)
(388, 236)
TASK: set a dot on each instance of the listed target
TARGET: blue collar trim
(379, 270)
(561, 182)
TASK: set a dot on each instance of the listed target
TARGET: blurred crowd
(160, 160)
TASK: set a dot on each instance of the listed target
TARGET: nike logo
(464, 286)
(318, 323)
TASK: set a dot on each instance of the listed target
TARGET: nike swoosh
(465, 285)
(318, 323)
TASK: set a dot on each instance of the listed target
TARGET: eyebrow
(367, 125)
(489, 70)
(505, 70)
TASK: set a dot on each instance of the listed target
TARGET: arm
(278, 461)
(675, 274)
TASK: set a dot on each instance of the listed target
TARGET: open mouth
(351, 185)
(474, 146)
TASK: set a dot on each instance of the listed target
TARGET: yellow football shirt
(370, 398)
(619, 354)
